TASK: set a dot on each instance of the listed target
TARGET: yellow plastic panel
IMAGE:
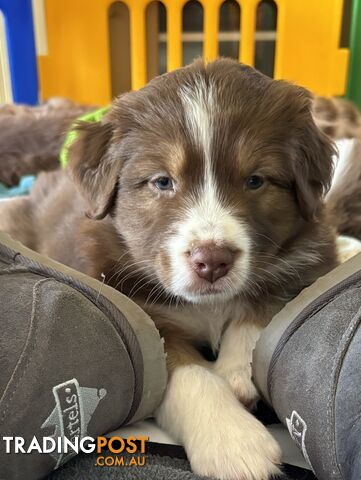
(174, 34)
(248, 28)
(307, 49)
(77, 65)
(137, 42)
(211, 21)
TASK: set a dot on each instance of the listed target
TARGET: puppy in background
(31, 137)
(341, 120)
(203, 194)
(337, 117)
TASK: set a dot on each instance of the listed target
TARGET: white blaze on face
(199, 103)
(206, 217)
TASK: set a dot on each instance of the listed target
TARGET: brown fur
(259, 127)
(31, 137)
(340, 119)
(337, 117)
(135, 130)
(112, 160)
(344, 200)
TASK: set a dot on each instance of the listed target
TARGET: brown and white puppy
(203, 192)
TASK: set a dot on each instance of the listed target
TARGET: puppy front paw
(222, 439)
(242, 386)
(237, 453)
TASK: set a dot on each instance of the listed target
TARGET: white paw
(222, 439)
(238, 452)
(242, 386)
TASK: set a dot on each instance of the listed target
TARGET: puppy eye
(254, 181)
(163, 183)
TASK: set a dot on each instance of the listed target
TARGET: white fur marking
(341, 161)
(221, 438)
(235, 357)
(199, 104)
(206, 218)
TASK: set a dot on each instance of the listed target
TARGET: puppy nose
(211, 262)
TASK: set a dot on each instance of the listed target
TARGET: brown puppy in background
(203, 192)
(31, 137)
(341, 120)
(337, 117)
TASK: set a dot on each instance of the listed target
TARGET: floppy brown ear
(93, 168)
(313, 168)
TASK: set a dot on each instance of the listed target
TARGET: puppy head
(205, 170)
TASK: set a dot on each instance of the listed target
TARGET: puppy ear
(93, 168)
(313, 167)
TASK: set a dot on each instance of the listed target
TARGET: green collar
(72, 134)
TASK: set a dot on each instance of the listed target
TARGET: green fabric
(354, 80)
(94, 116)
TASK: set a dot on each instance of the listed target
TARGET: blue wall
(21, 48)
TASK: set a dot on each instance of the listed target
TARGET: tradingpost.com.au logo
(73, 410)
(111, 451)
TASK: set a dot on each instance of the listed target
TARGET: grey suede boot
(77, 359)
(307, 364)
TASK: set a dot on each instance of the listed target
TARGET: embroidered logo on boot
(298, 428)
(74, 407)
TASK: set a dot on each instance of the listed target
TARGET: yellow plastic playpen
(76, 62)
